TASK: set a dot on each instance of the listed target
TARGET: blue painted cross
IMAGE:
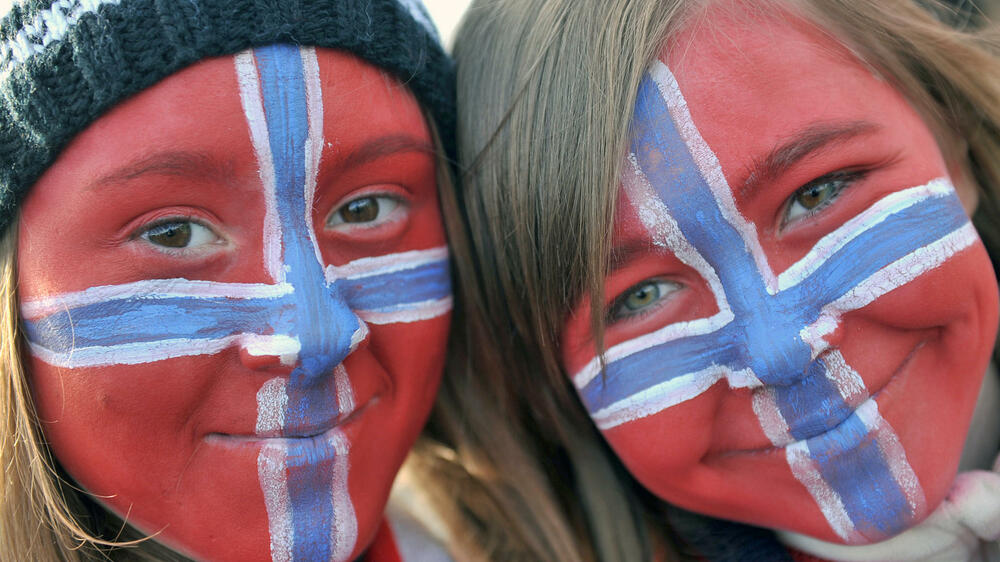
(158, 319)
(765, 333)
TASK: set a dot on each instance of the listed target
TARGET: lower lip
(313, 440)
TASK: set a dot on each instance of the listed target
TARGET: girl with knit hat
(226, 291)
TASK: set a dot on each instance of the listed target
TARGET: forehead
(753, 78)
(198, 109)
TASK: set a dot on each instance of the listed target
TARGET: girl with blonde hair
(225, 278)
(739, 233)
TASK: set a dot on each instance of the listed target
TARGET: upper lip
(303, 431)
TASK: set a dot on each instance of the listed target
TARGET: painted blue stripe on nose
(323, 322)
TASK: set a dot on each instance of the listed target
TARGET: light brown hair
(546, 91)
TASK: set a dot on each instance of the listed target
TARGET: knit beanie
(64, 63)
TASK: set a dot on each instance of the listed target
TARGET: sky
(445, 13)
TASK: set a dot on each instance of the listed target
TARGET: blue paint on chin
(872, 498)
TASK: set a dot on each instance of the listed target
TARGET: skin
(188, 446)
(763, 88)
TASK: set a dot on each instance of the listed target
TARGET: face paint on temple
(799, 311)
(243, 330)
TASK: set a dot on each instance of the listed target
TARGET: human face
(235, 292)
(799, 311)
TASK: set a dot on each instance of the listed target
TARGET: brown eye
(170, 235)
(360, 210)
(179, 234)
(819, 193)
(370, 210)
(641, 298)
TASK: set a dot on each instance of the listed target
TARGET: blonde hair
(546, 91)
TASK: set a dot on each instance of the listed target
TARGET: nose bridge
(327, 329)
(774, 349)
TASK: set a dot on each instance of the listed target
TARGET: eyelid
(146, 227)
(612, 316)
(395, 192)
(849, 176)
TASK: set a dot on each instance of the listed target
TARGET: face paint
(252, 393)
(789, 363)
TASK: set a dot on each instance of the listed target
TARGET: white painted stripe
(772, 422)
(413, 312)
(40, 307)
(664, 230)
(314, 139)
(668, 333)
(271, 469)
(895, 457)
(382, 265)
(848, 382)
(867, 219)
(272, 401)
(891, 277)
(253, 107)
(286, 348)
(711, 169)
(659, 397)
(133, 353)
(359, 334)
(344, 528)
(805, 471)
(345, 393)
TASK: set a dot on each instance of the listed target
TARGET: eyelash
(843, 180)
(142, 232)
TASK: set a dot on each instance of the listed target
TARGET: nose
(776, 353)
(328, 331)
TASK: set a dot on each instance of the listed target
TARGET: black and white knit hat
(63, 63)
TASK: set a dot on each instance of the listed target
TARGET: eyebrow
(628, 251)
(380, 147)
(810, 140)
(182, 164)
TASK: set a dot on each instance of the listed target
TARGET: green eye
(641, 298)
(171, 235)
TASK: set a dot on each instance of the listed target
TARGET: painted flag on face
(769, 329)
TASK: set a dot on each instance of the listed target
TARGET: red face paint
(787, 345)
(200, 395)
